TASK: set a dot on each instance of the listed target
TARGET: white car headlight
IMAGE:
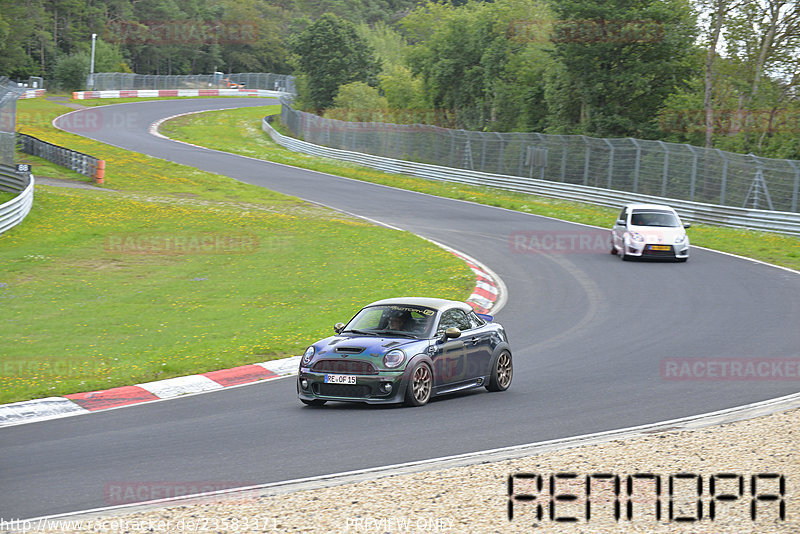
(681, 238)
(394, 358)
(308, 355)
(636, 236)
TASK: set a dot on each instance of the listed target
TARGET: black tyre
(502, 373)
(315, 402)
(420, 386)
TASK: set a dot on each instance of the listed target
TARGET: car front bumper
(647, 250)
(371, 389)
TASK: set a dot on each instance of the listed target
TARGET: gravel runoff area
(475, 498)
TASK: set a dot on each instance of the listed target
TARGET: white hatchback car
(650, 231)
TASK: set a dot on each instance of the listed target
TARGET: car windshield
(393, 319)
(654, 218)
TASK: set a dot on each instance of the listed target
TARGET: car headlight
(308, 355)
(636, 236)
(394, 358)
(680, 238)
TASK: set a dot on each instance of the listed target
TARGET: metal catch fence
(112, 81)
(651, 168)
(9, 93)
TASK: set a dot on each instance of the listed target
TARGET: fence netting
(653, 168)
(113, 81)
(9, 93)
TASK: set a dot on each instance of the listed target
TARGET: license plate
(659, 247)
(340, 379)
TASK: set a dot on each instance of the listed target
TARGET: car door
(619, 229)
(479, 340)
(450, 356)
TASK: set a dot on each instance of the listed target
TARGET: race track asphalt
(589, 335)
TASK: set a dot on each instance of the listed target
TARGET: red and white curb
(81, 403)
(488, 295)
(155, 93)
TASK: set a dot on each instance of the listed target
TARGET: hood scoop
(349, 350)
(391, 344)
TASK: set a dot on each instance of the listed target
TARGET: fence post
(452, 147)
(666, 169)
(586, 161)
(563, 158)
(692, 184)
(796, 184)
(502, 150)
(610, 162)
(723, 185)
(636, 164)
(544, 147)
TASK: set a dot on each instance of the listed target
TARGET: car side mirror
(338, 327)
(452, 333)
(687, 225)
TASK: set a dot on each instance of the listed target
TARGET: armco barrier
(77, 161)
(784, 222)
(14, 211)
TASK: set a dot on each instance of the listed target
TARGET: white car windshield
(654, 218)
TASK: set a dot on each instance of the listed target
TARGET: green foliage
(331, 53)
(390, 46)
(71, 72)
(482, 62)
(401, 88)
(358, 102)
(623, 59)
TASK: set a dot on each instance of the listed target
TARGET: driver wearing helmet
(397, 321)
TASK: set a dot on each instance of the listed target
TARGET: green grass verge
(239, 131)
(178, 271)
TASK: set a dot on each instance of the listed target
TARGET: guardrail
(77, 161)
(14, 211)
(774, 221)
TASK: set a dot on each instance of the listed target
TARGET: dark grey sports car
(406, 350)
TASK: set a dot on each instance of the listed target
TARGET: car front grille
(345, 367)
(343, 390)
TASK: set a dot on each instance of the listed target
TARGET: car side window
(453, 318)
(623, 216)
(475, 321)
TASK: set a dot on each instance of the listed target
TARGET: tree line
(714, 73)
(717, 73)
